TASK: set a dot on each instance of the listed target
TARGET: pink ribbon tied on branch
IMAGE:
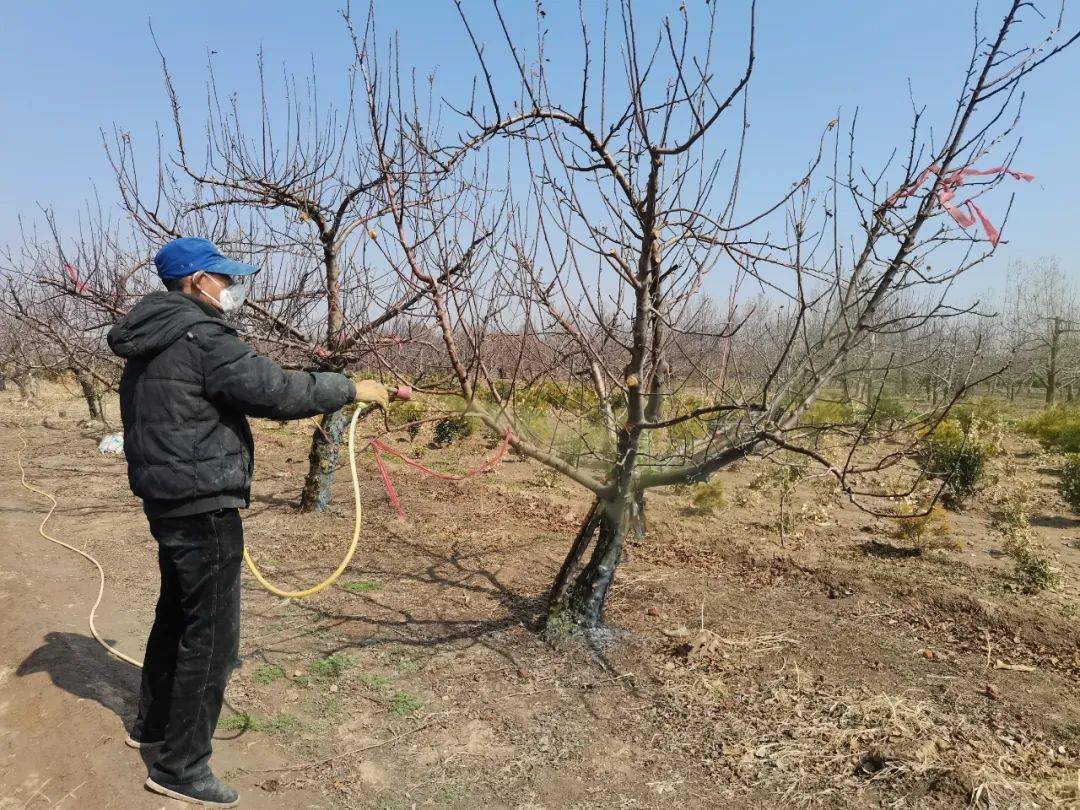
(73, 274)
(946, 193)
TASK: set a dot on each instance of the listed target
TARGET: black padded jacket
(188, 385)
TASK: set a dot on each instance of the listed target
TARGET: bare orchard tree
(306, 192)
(24, 353)
(66, 291)
(634, 211)
(1046, 323)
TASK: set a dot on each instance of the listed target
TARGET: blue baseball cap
(188, 255)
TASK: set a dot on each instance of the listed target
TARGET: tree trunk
(90, 394)
(1051, 365)
(27, 387)
(322, 462)
(573, 558)
(323, 456)
(579, 595)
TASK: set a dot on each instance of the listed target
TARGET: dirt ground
(835, 669)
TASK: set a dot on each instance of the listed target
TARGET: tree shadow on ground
(1055, 522)
(456, 578)
(290, 501)
(887, 551)
(442, 579)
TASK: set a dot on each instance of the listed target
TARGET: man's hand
(371, 392)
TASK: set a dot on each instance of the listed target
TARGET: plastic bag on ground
(112, 445)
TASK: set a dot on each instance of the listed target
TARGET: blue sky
(73, 68)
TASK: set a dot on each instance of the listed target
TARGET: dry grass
(791, 677)
(812, 744)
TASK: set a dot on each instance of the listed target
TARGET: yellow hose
(79, 551)
(326, 583)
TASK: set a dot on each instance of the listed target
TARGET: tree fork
(574, 556)
(579, 595)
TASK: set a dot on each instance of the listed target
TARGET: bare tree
(634, 210)
(306, 194)
(66, 290)
(1045, 319)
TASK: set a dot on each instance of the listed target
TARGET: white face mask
(232, 297)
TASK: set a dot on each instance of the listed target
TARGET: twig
(999, 664)
(68, 795)
(37, 792)
(880, 614)
(609, 682)
(317, 763)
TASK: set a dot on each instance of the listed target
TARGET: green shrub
(403, 703)
(360, 587)
(451, 429)
(708, 497)
(377, 682)
(268, 674)
(1010, 516)
(827, 412)
(1056, 428)
(985, 410)
(691, 430)
(958, 458)
(1011, 512)
(782, 480)
(237, 722)
(332, 666)
(406, 413)
(1032, 570)
(887, 411)
(544, 395)
(923, 529)
(1069, 485)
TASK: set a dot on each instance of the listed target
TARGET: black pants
(195, 641)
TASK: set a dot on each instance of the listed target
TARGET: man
(188, 385)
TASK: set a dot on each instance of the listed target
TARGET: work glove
(371, 392)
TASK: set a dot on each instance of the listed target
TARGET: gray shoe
(206, 792)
